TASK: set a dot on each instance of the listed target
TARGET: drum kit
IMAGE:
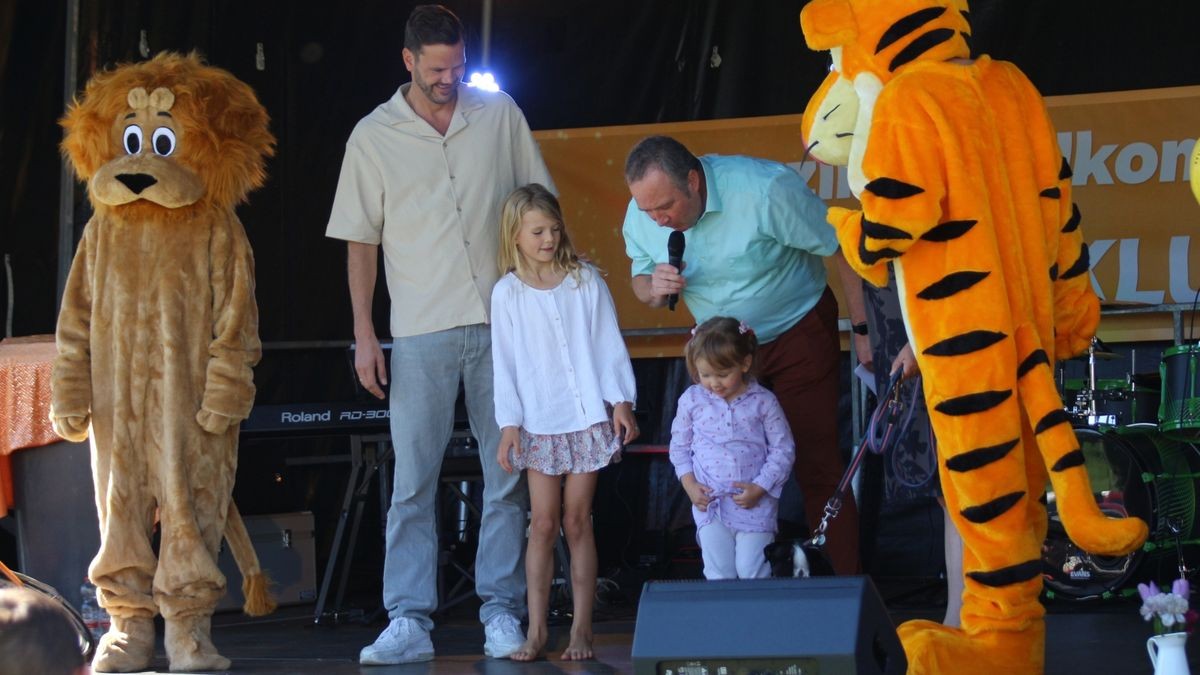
(1139, 435)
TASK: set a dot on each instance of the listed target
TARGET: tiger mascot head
(870, 42)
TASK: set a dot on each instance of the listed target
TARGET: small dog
(788, 558)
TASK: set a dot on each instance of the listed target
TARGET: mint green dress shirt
(756, 252)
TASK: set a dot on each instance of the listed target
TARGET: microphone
(675, 244)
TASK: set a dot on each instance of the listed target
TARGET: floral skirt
(574, 452)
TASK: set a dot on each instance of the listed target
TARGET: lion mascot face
(157, 339)
(167, 138)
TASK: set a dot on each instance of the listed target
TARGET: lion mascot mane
(964, 191)
(157, 336)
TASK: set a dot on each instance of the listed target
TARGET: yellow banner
(1129, 152)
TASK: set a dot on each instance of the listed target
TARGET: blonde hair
(723, 342)
(533, 197)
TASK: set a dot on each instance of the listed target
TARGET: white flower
(1173, 609)
(1167, 608)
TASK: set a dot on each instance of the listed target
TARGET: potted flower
(1170, 614)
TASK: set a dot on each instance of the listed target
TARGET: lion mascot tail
(255, 583)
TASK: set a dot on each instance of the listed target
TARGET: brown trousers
(801, 367)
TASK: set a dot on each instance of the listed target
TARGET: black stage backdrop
(567, 63)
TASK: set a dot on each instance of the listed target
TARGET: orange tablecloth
(25, 365)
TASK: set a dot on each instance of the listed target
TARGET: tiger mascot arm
(903, 212)
(1076, 307)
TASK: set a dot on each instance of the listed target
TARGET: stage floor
(1082, 638)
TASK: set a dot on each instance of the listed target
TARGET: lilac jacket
(746, 441)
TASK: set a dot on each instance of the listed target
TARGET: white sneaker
(403, 641)
(502, 636)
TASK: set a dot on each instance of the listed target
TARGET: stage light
(485, 81)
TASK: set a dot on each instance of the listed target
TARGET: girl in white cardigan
(564, 398)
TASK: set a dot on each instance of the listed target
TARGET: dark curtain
(568, 64)
(31, 86)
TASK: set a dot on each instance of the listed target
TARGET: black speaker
(825, 625)
(58, 532)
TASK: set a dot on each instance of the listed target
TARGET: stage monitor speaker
(814, 626)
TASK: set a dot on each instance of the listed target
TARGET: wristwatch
(859, 328)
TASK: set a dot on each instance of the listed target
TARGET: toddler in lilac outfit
(732, 450)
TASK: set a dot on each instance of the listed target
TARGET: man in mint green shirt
(756, 238)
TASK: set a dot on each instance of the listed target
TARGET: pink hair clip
(743, 328)
(694, 330)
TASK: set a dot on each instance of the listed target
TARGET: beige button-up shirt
(433, 202)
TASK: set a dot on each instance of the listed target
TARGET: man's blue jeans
(425, 372)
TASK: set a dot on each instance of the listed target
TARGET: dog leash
(893, 416)
(890, 422)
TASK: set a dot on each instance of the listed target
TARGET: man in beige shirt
(424, 175)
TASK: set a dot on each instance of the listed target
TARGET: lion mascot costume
(157, 336)
(964, 191)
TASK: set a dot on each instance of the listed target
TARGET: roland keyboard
(359, 417)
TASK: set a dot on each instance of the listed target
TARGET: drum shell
(1135, 471)
(1179, 412)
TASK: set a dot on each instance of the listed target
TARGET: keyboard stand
(453, 478)
(368, 455)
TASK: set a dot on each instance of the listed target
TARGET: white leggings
(733, 555)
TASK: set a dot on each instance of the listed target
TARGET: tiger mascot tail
(965, 192)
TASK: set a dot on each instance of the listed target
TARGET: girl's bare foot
(579, 649)
(531, 650)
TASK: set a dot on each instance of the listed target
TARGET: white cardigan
(557, 354)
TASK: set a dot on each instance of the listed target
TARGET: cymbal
(1098, 349)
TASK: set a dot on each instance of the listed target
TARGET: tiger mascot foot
(934, 649)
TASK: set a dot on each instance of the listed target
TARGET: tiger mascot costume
(964, 190)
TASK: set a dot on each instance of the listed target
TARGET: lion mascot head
(167, 138)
